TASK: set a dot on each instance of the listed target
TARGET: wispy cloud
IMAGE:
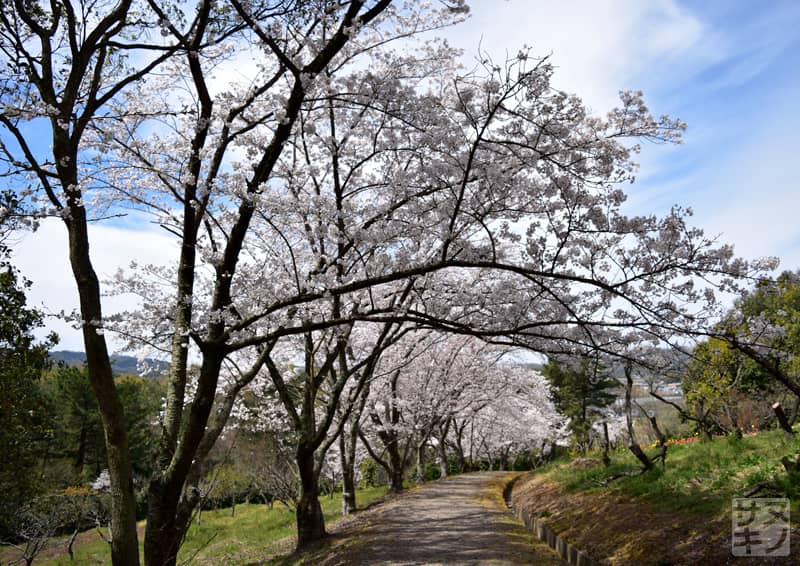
(726, 67)
(597, 47)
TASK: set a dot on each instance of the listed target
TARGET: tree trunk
(396, 465)
(71, 543)
(504, 459)
(347, 460)
(701, 421)
(421, 462)
(349, 493)
(782, 420)
(633, 446)
(124, 543)
(462, 461)
(441, 446)
(162, 535)
(647, 464)
(662, 440)
(443, 464)
(459, 447)
(606, 445)
(172, 493)
(310, 521)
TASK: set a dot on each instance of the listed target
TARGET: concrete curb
(568, 553)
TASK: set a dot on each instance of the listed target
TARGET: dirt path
(461, 520)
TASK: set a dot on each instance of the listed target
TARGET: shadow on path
(461, 520)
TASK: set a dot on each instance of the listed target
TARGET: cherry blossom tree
(399, 182)
(342, 183)
(62, 62)
(431, 388)
(519, 421)
(66, 69)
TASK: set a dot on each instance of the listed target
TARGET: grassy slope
(254, 533)
(681, 510)
(699, 478)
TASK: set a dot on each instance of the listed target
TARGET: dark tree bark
(124, 543)
(349, 503)
(459, 445)
(387, 433)
(633, 446)
(662, 440)
(310, 520)
(347, 454)
(348, 440)
(782, 420)
(443, 428)
(66, 58)
(420, 453)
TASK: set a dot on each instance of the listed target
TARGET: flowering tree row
(334, 183)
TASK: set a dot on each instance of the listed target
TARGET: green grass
(252, 534)
(699, 478)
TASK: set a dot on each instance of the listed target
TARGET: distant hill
(120, 364)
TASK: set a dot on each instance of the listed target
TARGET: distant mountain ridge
(127, 365)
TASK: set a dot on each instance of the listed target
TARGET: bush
(522, 463)
(370, 473)
(432, 471)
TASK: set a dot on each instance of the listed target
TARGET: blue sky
(730, 69)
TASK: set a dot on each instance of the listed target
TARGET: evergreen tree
(581, 388)
(24, 415)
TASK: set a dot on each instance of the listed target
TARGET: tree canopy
(352, 184)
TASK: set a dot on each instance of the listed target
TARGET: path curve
(459, 520)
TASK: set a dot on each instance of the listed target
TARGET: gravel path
(461, 520)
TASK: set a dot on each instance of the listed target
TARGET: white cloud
(741, 188)
(43, 258)
(597, 47)
(735, 170)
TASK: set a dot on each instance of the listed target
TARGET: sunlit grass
(699, 477)
(252, 534)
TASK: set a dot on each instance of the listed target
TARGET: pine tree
(581, 388)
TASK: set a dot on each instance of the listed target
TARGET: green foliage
(23, 409)
(727, 388)
(780, 301)
(141, 397)
(249, 537)
(432, 471)
(522, 462)
(733, 380)
(77, 435)
(370, 473)
(776, 303)
(701, 477)
(581, 388)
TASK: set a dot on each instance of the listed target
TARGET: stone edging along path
(537, 526)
